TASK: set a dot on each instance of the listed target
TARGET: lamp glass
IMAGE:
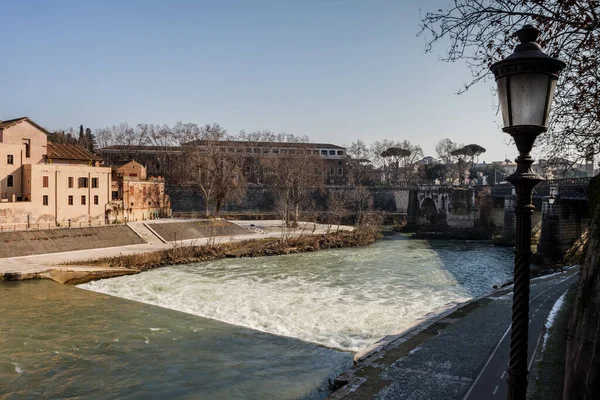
(528, 96)
(503, 97)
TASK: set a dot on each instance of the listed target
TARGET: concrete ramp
(146, 233)
(173, 230)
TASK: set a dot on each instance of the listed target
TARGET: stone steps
(143, 231)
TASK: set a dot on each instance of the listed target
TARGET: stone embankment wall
(188, 199)
(563, 223)
(582, 364)
(24, 243)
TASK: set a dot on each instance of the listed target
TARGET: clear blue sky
(334, 70)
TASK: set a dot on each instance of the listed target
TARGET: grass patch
(550, 370)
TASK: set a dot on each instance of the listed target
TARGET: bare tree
(481, 32)
(336, 208)
(215, 166)
(361, 202)
(445, 149)
(359, 162)
(293, 175)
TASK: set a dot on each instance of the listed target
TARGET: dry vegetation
(248, 248)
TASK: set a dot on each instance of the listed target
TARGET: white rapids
(345, 299)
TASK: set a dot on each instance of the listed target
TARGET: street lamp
(553, 194)
(526, 81)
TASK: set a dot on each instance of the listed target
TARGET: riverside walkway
(53, 265)
(461, 355)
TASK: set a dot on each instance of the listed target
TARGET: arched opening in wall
(430, 212)
(428, 208)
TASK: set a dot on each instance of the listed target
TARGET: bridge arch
(428, 207)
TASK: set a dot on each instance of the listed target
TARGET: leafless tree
(293, 175)
(359, 162)
(481, 32)
(445, 150)
(361, 202)
(215, 167)
(336, 208)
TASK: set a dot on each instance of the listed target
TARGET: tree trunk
(218, 206)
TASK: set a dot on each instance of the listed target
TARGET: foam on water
(345, 299)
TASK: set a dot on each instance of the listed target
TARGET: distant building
(47, 184)
(429, 160)
(134, 195)
(169, 161)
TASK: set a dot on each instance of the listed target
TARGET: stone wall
(24, 243)
(562, 224)
(188, 199)
(582, 364)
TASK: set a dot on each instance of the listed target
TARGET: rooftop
(11, 122)
(70, 152)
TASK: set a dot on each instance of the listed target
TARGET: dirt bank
(248, 248)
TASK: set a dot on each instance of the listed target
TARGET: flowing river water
(270, 327)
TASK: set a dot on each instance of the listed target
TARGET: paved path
(462, 356)
(491, 382)
(41, 263)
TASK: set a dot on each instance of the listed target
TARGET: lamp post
(526, 80)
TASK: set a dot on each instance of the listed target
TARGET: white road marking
(495, 390)
(503, 336)
(502, 376)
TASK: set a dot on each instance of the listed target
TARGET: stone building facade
(135, 196)
(43, 184)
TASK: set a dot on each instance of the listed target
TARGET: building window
(10, 159)
(340, 152)
(115, 195)
(45, 200)
(94, 183)
(27, 143)
(323, 152)
(340, 171)
(131, 191)
(96, 201)
(9, 181)
(83, 182)
(83, 200)
(44, 181)
(132, 175)
(70, 180)
(331, 171)
(332, 152)
(70, 200)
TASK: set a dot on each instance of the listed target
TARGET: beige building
(135, 196)
(43, 184)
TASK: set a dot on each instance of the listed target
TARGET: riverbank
(252, 240)
(430, 357)
(247, 248)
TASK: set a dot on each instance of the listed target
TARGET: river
(270, 327)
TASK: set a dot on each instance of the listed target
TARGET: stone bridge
(560, 223)
(567, 189)
(438, 207)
